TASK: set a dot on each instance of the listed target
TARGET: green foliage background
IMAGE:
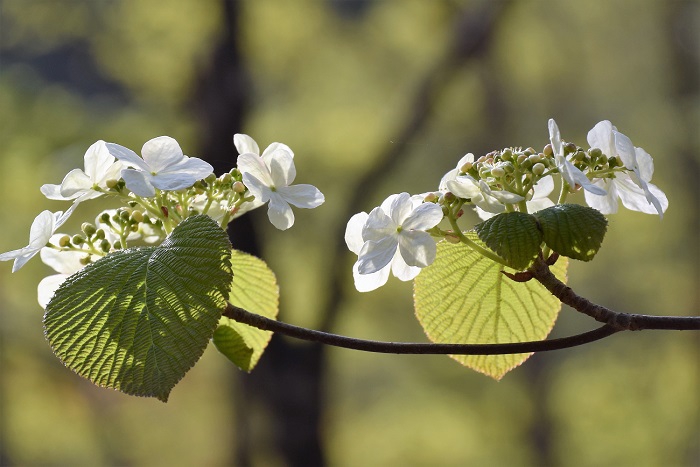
(337, 88)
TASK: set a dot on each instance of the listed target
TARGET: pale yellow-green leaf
(463, 298)
(254, 288)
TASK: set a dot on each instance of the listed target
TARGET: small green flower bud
(430, 198)
(132, 204)
(78, 240)
(450, 197)
(538, 169)
(579, 155)
(498, 172)
(569, 148)
(198, 185)
(548, 151)
(99, 234)
(105, 246)
(534, 158)
(452, 238)
(466, 167)
(64, 241)
(134, 227)
(238, 187)
(85, 260)
(88, 229)
(507, 155)
(595, 153)
(521, 158)
(226, 178)
(112, 184)
(211, 178)
(123, 214)
(137, 216)
(104, 218)
(529, 151)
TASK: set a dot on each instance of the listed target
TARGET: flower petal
(75, 183)
(376, 255)
(193, 166)
(161, 152)
(245, 144)
(63, 262)
(97, 161)
(401, 208)
(625, 149)
(403, 271)
(417, 248)
(47, 288)
(258, 189)
(424, 217)
(606, 204)
(353, 232)
(279, 212)
(302, 196)
(378, 226)
(139, 182)
(274, 147)
(601, 137)
(251, 164)
(172, 181)
(463, 186)
(369, 282)
(54, 192)
(282, 169)
(128, 156)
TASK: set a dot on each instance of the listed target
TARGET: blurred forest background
(374, 97)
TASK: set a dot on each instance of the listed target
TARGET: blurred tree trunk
(287, 381)
(684, 52)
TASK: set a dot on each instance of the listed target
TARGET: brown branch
(267, 324)
(619, 321)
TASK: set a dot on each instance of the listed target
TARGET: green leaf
(137, 320)
(463, 298)
(573, 230)
(254, 288)
(514, 236)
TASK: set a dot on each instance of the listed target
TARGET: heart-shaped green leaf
(137, 320)
(463, 298)
(573, 230)
(254, 288)
(514, 236)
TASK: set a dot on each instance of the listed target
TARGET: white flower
(392, 238)
(633, 189)
(65, 263)
(479, 192)
(163, 166)
(44, 225)
(539, 199)
(268, 178)
(568, 171)
(100, 166)
(540, 195)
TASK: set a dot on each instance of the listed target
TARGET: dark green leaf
(137, 320)
(573, 230)
(514, 236)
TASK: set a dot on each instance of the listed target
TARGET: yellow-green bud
(498, 172)
(88, 229)
(64, 241)
(137, 216)
(99, 234)
(430, 198)
(548, 151)
(226, 178)
(105, 246)
(538, 169)
(595, 153)
(211, 178)
(522, 158)
(534, 158)
(111, 183)
(569, 148)
(238, 187)
(507, 155)
(85, 260)
(78, 240)
(466, 167)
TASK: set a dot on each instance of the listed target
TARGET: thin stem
(267, 324)
(464, 239)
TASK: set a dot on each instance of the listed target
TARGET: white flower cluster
(158, 190)
(398, 236)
